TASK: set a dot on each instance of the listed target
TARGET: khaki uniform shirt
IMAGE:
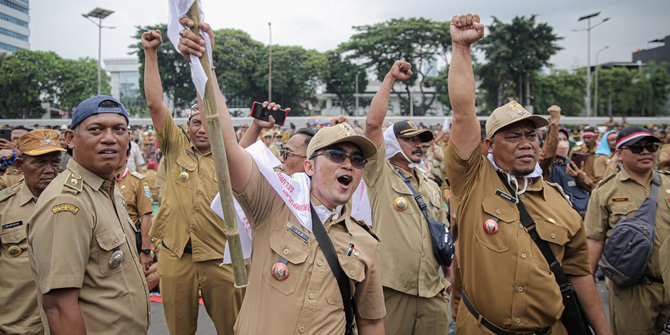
(19, 312)
(589, 162)
(151, 177)
(309, 300)
(78, 225)
(136, 193)
(190, 187)
(620, 196)
(408, 262)
(504, 274)
(10, 178)
(663, 154)
(603, 165)
(664, 258)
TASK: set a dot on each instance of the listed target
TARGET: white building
(14, 25)
(124, 79)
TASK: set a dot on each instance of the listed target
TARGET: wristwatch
(147, 252)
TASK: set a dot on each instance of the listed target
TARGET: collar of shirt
(90, 178)
(536, 173)
(324, 213)
(25, 196)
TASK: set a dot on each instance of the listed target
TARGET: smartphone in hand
(260, 113)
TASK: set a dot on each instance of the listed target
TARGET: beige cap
(193, 111)
(39, 142)
(341, 133)
(270, 133)
(512, 112)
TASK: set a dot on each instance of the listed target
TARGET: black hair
(308, 132)
(108, 104)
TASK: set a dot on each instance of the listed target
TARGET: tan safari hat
(341, 133)
(39, 142)
(512, 112)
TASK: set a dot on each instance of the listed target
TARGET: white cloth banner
(179, 9)
(295, 192)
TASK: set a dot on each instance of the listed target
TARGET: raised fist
(466, 29)
(152, 39)
(401, 70)
(554, 112)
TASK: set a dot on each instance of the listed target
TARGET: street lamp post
(588, 55)
(100, 14)
(270, 64)
(356, 95)
(595, 103)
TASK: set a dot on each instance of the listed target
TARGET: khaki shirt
(19, 312)
(151, 176)
(603, 165)
(136, 193)
(589, 162)
(78, 225)
(10, 178)
(664, 258)
(408, 262)
(620, 196)
(309, 300)
(663, 154)
(190, 187)
(504, 274)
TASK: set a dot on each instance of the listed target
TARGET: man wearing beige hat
(507, 214)
(192, 235)
(39, 162)
(303, 235)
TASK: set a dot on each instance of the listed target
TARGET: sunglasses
(637, 149)
(285, 153)
(338, 157)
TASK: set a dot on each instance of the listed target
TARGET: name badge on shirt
(505, 196)
(12, 225)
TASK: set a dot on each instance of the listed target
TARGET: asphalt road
(206, 327)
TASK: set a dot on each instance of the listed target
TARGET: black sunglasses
(338, 157)
(285, 153)
(637, 149)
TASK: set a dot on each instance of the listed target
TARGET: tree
(562, 88)
(340, 79)
(175, 71)
(77, 81)
(296, 73)
(419, 41)
(639, 91)
(237, 57)
(514, 52)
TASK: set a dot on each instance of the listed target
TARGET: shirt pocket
(286, 246)
(354, 269)
(14, 238)
(185, 169)
(504, 213)
(110, 243)
(556, 237)
(620, 210)
(402, 198)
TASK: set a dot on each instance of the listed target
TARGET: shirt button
(311, 296)
(519, 289)
(553, 235)
(319, 263)
(520, 225)
(352, 273)
(524, 256)
(498, 211)
(301, 329)
(285, 251)
(517, 320)
(288, 225)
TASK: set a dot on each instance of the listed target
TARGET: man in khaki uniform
(414, 292)
(507, 284)
(39, 161)
(12, 175)
(642, 308)
(137, 195)
(192, 235)
(292, 289)
(82, 242)
(587, 149)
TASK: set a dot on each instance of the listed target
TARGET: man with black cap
(509, 287)
(642, 308)
(38, 160)
(414, 292)
(192, 235)
(82, 242)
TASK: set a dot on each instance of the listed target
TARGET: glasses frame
(328, 153)
(285, 153)
(638, 149)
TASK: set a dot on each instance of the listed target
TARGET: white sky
(58, 26)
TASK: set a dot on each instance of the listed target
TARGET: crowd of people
(475, 227)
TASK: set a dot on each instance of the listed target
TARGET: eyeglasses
(338, 157)
(637, 149)
(285, 153)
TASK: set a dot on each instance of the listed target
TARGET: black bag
(631, 244)
(443, 243)
(573, 317)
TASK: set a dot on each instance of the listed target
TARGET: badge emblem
(279, 271)
(15, 251)
(183, 176)
(400, 204)
(491, 227)
(115, 259)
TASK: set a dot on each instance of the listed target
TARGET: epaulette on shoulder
(560, 190)
(664, 171)
(367, 228)
(606, 179)
(74, 182)
(7, 192)
(137, 175)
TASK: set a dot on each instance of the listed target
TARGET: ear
(308, 164)
(618, 154)
(489, 143)
(18, 163)
(69, 138)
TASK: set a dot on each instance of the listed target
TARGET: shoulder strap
(331, 256)
(417, 196)
(655, 183)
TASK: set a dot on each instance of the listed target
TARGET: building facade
(14, 25)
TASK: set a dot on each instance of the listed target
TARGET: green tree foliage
(514, 52)
(633, 92)
(30, 78)
(562, 88)
(237, 57)
(419, 41)
(340, 78)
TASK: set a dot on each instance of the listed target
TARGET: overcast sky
(57, 25)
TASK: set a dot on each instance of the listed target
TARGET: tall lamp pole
(270, 64)
(595, 103)
(100, 14)
(588, 29)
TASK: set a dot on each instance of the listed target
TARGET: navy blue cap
(91, 106)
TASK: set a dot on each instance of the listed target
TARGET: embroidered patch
(12, 225)
(65, 208)
(147, 192)
(619, 199)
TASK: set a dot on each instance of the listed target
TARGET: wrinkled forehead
(523, 126)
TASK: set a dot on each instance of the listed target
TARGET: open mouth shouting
(345, 180)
